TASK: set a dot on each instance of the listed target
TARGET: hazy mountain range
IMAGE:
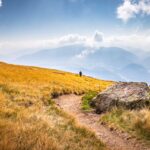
(111, 63)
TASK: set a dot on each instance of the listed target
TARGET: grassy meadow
(135, 122)
(28, 118)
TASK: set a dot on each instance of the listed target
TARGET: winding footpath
(115, 140)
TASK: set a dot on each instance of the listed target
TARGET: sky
(30, 25)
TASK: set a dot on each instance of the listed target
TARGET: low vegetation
(29, 119)
(136, 122)
(87, 99)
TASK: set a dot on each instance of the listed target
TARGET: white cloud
(0, 3)
(127, 10)
(133, 42)
(72, 39)
(21, 45)
(83, 54)
(138, 43)
(131, 8)
(145, 6)
(98, 36)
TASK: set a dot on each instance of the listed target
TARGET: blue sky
(48, 18)
(37, 20)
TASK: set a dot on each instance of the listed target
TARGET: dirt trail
(114, 140)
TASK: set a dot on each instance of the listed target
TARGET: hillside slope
(28, 118)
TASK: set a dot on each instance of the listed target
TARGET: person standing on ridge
(80, 73)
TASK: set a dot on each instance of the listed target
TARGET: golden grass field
(30, 121)
(28, 118)
(135, 122)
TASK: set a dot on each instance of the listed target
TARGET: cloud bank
(70, 39)
(133, 42)
(131, 8)
(0, 3)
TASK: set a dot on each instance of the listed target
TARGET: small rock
(111, 129)
(103, 123)
(128, 138)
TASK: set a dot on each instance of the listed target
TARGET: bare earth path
(114, 140)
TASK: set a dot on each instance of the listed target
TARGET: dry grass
(28, 118)
(135, 122)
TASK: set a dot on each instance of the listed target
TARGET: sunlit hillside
(28, 117)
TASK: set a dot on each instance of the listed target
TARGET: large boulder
(130, 95)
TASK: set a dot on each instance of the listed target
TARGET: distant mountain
(103, 73)
(51, 57)
(135, 72)
(111, 63)
(112, 57)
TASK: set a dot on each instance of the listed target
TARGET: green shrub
(87, 99)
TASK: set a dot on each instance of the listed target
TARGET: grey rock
(130, 95)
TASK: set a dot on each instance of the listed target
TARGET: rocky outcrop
(130, 95)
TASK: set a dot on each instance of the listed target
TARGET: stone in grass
(129, 95)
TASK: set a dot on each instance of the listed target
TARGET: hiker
(80, 73)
